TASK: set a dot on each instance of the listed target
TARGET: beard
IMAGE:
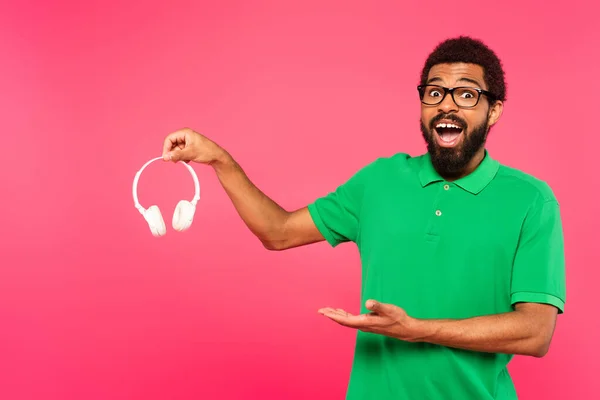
(451, 162)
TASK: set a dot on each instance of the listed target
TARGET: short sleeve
(538, 274)
(337, 214)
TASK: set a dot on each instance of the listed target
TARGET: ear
(495, 112)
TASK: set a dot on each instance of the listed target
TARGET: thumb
(178, 155)
(380, 308)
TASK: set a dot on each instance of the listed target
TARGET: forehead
(457, 73)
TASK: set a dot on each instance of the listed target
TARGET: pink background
(302, 94)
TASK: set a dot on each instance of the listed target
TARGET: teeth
(442, 125)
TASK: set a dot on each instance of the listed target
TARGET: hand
(384, 319)
(187, 145)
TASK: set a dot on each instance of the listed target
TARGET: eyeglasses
(464, 97)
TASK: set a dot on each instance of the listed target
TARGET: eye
(467, 95)
(434, 93)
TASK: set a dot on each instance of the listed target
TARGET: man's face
(456, 135)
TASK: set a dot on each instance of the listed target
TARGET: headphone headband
(137, 177)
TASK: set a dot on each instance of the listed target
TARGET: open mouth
(448, 133)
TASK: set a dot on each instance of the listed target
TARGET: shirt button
(438, 213)
(446, 187)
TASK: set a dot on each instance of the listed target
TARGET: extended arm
(276, 228)
(527, 330)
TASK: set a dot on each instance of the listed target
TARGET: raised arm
(275, 227)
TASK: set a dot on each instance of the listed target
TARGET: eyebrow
(473, 81)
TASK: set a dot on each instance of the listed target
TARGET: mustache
(449, 117)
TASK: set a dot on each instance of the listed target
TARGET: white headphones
(184, 212)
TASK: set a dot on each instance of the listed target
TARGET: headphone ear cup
(183, 215)
(155, 221)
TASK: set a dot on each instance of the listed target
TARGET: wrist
(222, 160)
(421, 330)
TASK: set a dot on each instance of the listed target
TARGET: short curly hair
(464, 49)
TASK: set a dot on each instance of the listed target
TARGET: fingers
(169, 143)
(326, 310)
(381, 318)
(336, 311)
(374, 306)
(342, 317)
(175, 143)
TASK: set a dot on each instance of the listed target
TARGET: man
(462, 257)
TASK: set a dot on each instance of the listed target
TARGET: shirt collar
(474, 183)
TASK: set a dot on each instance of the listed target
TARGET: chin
(452, 161)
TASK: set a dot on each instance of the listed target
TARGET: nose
(448, 105)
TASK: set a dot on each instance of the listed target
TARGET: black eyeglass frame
(421, 90)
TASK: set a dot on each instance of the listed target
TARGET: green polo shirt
(439, 249)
